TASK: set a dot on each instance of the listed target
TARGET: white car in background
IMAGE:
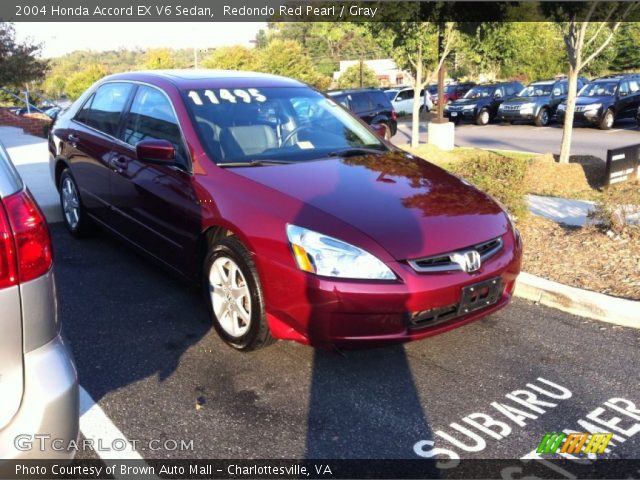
(402, 100)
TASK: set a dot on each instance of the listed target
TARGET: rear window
(380, 99)
(104, 109)
(360, 102)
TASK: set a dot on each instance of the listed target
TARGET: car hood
(408, 206)
(590, 100)
(521, 100)
(467, 101)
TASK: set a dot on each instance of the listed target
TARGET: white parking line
(108, 441)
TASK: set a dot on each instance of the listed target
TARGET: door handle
(73, 138)
(119, 163)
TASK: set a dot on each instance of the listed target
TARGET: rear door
(155, 205)
(11, 384)
(89, 145)
(625, 100)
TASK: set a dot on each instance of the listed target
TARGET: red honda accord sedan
(299, 222)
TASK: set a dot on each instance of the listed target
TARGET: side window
(624, 89)
(405, 95)
(633, 86)
(498, 93)
(380, 100)
(151, 117)
(360, 102)
(83, 115)
(104, 109)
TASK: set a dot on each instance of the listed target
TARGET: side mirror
(156, 151)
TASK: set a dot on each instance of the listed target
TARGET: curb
(577, 301)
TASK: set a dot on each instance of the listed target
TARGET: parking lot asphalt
(146, 353)
(586, 140)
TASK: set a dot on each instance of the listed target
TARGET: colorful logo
(574, 443)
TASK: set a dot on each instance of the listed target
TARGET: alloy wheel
(70, 203)
(230, 296)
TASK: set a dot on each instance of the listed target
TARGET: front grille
(455, 109)
(434, 316)
(579, 109)
(444, 262)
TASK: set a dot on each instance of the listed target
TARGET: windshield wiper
(254, 163)
(355, 151)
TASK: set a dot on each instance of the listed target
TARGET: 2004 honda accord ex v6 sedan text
(298, 220)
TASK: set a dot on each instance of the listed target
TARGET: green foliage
(158, 59)
(286, 58)
(499, 176)
(80, 81)
(328, 43)
(19, 62)
(351, 77)
(627, 53)
(232, 58)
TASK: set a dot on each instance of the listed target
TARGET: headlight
(592, 106)
(330, 257)
(527, 107)
(469, 107)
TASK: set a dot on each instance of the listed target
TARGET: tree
(159, 59)
(235, 57)
(286, 58)
(18, 61)
(80, 81)
(414, 46)
(627, 53)
(585, 40)
(351, 77)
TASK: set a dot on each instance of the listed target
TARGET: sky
(63, 37)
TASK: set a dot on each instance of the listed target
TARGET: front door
(155, 205)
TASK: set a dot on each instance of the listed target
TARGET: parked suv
(480, 104)
(605, 100)
(371, 105)
(296, 219)
(38, 382)
(402, 100)
(536, 103)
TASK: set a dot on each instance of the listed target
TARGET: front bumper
(590, 117)
(50, 407)
(460, 114)
(317, 311)
(515, 116)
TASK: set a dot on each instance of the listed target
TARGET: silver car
(39, 400)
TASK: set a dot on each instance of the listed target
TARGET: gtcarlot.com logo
(574, 443)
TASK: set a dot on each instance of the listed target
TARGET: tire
(234, 296)
(387, 132)
(74, 214)
(542, 119)
(483, 117)
(607, 120)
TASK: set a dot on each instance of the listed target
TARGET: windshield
(287, 124)
(480, 92)
(599, 89)
(537, 90)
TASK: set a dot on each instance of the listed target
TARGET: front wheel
(483, 117)
(607, 120)
(542, 119)
(235, 297)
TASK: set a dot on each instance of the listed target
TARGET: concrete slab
(560, 210)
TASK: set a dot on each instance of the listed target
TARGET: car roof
(545, 82)
(353, 90)
(204, 78)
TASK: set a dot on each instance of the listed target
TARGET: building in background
(386, 70)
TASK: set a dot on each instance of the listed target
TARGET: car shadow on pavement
(123, 319)
(364, 405)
